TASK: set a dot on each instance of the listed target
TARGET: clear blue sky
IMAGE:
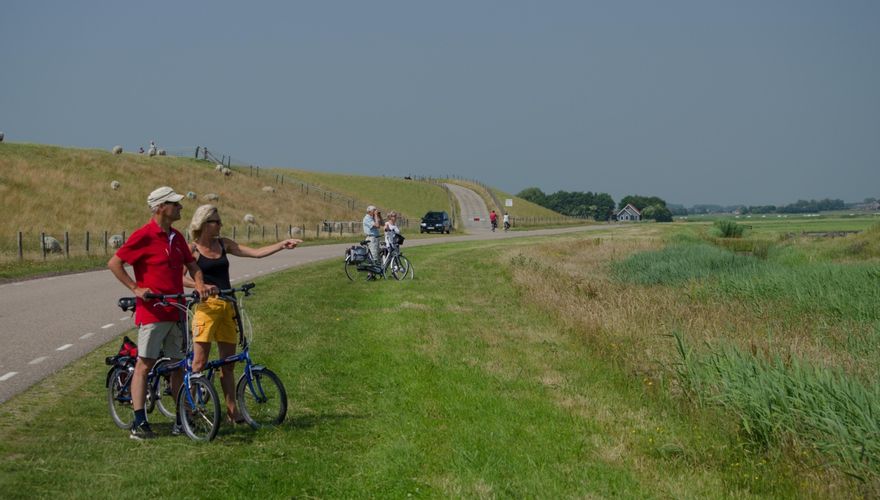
(699, 101)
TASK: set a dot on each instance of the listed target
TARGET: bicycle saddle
(127, 303)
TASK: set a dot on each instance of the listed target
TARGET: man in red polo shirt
(158, 253)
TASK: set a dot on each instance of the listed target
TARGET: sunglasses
(214, 222)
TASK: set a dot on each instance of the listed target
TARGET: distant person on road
(493, 219)
(372, 223)
(159, 256)
(214, 319)
(506, 221)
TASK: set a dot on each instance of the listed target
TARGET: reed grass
(776, 399)
(628, 293)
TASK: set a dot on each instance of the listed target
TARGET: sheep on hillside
(115, 241)
(295, 230)
(51, 245)
(114, 185)
(268, 189)
(190, 195)
(211, 197)
(219, 168)
(117, 150)
(250, 219)
(227, 172)
(161, 152)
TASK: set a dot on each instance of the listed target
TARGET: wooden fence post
(233, 232)
(105, 242)
(87, 243)
(43, 244)
(249, 233)
(263, 229)
(20, 247)
(276, 231)
(66, 245)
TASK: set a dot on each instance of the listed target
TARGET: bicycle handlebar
(128, 303)
(246, 289)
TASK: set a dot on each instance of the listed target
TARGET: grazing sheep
(190, 195)
(295, 230)
(211, 197)
(117, 150)
(268, 189)
(161, 152)
(51, 245)
(115, 241)
(227, 172)
(114, 185)
(250, 219)
(219, 167)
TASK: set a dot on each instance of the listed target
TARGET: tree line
(599, 206)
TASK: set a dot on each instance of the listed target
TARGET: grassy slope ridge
(410, 198)
(55, 189)
(451, 385)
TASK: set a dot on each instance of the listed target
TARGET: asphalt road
(47, 323)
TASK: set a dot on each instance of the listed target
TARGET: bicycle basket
(398, 239)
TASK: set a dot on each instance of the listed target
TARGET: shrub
(729, 228)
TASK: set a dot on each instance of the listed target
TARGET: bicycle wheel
(263, 402)
(160, 394)
(410, 267)
(199, 409)
(119, 398)
(399, 267)
(350, 270)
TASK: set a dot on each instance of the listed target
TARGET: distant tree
(574, 203)
(640, 202)
(869, 201)
(534, 195)
(658, 213)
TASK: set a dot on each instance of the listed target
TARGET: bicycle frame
(244, 354)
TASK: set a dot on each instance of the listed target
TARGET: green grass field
(472, 380)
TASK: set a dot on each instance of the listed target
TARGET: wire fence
(32, 246)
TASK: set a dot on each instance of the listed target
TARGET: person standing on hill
(214, 318)
(159, 254)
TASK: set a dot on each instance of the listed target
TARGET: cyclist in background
(506, 221)
(214, 318)
(493, 219)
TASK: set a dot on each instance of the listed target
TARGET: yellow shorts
(214, 321)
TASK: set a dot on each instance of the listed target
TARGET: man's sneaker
(176, 429)
(142, 432)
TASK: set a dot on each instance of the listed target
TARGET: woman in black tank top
(213, 320)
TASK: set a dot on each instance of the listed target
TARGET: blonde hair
(202, 214)
(392, 214)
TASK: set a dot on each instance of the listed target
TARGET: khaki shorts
(214, 321)
(164, 336)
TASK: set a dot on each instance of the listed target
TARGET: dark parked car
(437, 222)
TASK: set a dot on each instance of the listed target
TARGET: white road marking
(87, 335)
(65, 346)
(124, 318)
(108, 325)
(38, 360)
(8, 376)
